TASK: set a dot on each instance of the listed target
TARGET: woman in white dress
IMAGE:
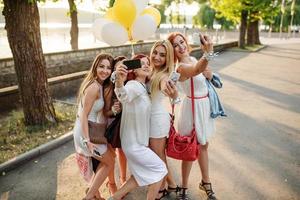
(145, 166)
(162, 62)
(90, 108)
(191, 67)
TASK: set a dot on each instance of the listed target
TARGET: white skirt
(204, 124)
(145, 166)
(159, 125)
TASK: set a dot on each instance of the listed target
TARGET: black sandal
(208, 189)
(164, 193)
(174, 189)
(182, 194)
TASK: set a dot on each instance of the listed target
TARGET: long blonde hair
(92, 74)
(166, 69)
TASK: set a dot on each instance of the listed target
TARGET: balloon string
(132, 49)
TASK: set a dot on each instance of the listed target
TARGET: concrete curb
(247, 51)
(25, 157)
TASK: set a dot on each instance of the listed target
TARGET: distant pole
(292, 17)
(281, 21)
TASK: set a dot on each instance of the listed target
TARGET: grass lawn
(16, 138)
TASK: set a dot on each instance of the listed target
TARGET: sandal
(112, 187)
(174, 189)
(182, 194)
(208, 189)
(96, 197)
(164, 193)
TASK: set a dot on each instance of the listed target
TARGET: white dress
(95, 115)
(146, 167)
(204, 124)
(160, 117)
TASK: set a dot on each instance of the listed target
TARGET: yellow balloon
(110, 14)
(124, 12)
(153, 12)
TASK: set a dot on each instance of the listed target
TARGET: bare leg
(158, 145)
(127, 187)
(122, 165)
(106, 165)
(203, 162)
(186, 167)
(111, 184)
(153, 190)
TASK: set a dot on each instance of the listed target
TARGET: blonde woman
(162, 62)
(189, 67)
(90, 108)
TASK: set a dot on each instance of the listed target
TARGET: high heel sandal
(174, 189)
(95, 197)
(122, 180)
(182, 194)
(164, 193)
(112, 187)
(208, 189)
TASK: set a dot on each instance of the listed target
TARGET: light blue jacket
(215, 104)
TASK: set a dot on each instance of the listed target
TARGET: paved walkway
(255, 153)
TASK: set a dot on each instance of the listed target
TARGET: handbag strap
(193, 101)
(193, 104)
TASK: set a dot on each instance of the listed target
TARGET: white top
(135, 121)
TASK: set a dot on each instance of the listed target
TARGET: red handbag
(183, 147)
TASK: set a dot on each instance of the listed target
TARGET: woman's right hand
(207, 44)
(121, 72)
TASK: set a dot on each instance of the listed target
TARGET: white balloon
(114, 34)
(140, 5)
(143, 27)
(97, 27)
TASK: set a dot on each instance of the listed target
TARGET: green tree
(205, 16)
(22, 23)
(235, 11)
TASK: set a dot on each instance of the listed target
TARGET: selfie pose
(189, 67)
(162, 88)
(90, 108)
(145, 166)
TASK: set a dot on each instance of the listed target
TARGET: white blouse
(135, 122)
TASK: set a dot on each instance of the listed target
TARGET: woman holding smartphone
(189, 67)
(90, 108)
(162, 62)
(145, 166)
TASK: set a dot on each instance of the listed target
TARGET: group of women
(145, 121)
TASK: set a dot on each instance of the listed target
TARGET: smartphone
(174, 76)
(132, 64)
(197, 38)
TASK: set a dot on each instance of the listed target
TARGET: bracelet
(85, 141)
(210, 55)
(175, 101)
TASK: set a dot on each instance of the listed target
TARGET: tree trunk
(253, 33)
(22, 23)
(243, 27)
(74, 25)
(256, 32)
